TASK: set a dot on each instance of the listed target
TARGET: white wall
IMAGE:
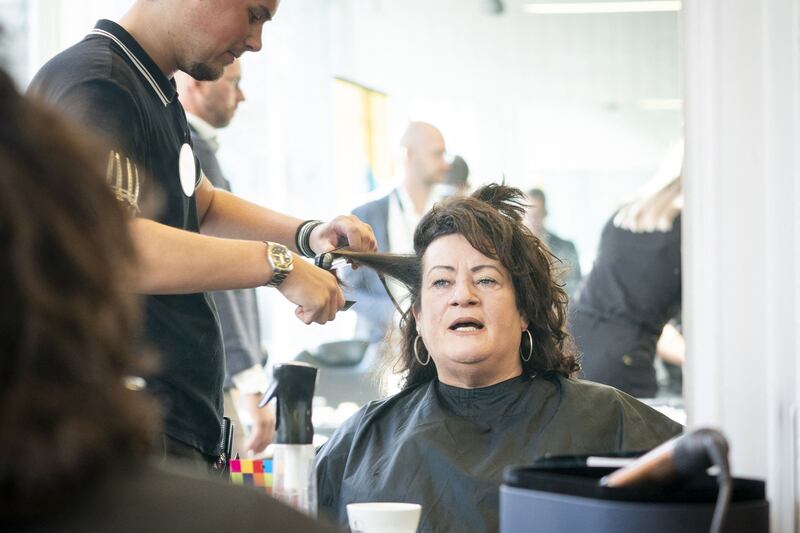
(742, 238)
(53, 25)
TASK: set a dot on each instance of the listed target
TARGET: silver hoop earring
(530, 352)
(416, 353)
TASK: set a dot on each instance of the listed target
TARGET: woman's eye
(440, 283)
(254, 17)
(486, 281)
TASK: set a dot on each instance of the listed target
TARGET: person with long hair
(488, 370)
(76, 438)
(620, 318)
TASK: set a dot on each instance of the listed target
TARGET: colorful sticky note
(253, 473)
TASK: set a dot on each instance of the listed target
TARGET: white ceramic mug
(383, 517)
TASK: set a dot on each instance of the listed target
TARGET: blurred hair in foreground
(68, 319)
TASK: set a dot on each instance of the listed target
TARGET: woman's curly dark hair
(491, 220)
(67, 321)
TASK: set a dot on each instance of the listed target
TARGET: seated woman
(488, 384)
(75, 441)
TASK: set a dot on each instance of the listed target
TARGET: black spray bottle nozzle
(293, 387)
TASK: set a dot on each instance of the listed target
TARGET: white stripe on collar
(136, 62)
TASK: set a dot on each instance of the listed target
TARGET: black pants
(616, 354)
(188, 456)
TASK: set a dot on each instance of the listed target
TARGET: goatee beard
(204, 72)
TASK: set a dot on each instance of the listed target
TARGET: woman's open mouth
(466, 325)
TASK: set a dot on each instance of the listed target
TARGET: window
(363, 156)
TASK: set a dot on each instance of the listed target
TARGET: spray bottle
(294, 481)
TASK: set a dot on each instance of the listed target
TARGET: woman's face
(468, 316)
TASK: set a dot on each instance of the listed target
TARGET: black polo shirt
(108, 83)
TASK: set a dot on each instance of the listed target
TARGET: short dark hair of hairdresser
(491, 220)
(67, 322)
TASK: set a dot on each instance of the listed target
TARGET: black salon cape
(445, 447)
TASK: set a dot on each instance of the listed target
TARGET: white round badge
(187, 169)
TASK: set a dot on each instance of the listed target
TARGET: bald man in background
(209, 106)
(394, 218)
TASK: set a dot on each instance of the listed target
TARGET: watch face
(281, 256)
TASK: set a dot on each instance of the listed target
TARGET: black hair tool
(328, 261)
(331, 261)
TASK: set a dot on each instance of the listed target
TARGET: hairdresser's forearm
(174, 261)
(223, 214)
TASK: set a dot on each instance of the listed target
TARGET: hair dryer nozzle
(678, 458)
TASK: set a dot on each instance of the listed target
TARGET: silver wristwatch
(281, 260)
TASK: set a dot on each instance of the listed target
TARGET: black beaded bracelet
(302, 238)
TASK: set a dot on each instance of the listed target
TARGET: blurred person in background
(394, 218)
(456, 181)
(118, 82)
(620, 320)
(564, 250)
(76, 439)
(209, 106)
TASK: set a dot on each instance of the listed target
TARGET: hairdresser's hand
(263, 430)
(358, 234)
(314, 290)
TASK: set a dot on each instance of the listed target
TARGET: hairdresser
(119, 82)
